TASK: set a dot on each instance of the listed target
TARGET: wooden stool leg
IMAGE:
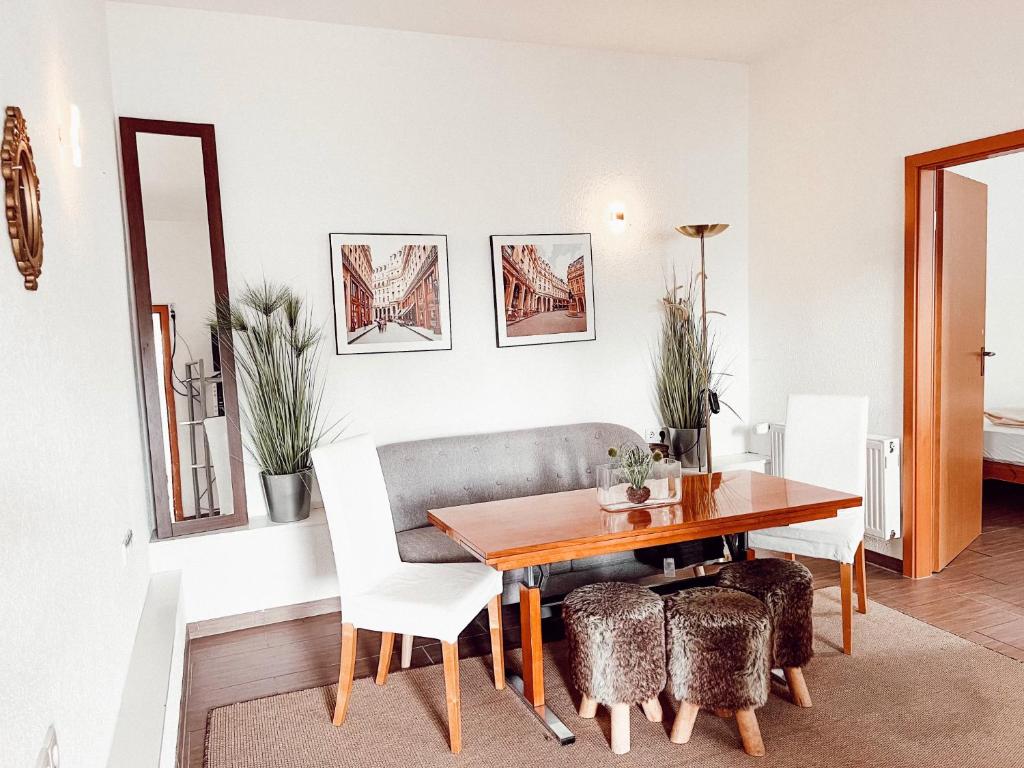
(406, 651)
(497, 641)
(588, 707)
(620, 728)
(751, 554)
(450, 653)
(387, 645)
(846, 595)
(797, 686)
(861, 577)
(348, 668)
(683, 725)
(698, 570)
(652, 710)
(750, 733)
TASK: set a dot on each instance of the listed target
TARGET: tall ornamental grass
(276, 349)
(682, 374)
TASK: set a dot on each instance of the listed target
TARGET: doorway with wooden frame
(945, 352)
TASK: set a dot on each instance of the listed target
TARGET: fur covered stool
(786, 587)
(718, 653)
(616, 637)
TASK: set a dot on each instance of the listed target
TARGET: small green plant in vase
(635, 463)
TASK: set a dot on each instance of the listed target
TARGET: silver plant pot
(687, 446)
(287, 496)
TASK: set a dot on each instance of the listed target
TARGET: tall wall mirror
(172, 202)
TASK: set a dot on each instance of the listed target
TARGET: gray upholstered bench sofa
(448, 471)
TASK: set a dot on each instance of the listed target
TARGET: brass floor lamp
(701, 232)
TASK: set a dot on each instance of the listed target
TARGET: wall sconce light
(617, 217)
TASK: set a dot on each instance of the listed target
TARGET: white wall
(1004, 278)
(70, 447)
(831, 121)
(325, 128)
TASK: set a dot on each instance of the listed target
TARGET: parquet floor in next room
(980, 597)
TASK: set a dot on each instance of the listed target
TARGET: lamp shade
(702, 230)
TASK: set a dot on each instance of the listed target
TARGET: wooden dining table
(530, 531)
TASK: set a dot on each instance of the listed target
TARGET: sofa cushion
(602, 561)
(448, 471)
(430, 545)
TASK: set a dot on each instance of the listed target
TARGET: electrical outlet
(49, 755)
(653, 435)
(126, 544)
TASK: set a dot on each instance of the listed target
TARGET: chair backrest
(826, 441)
(358, 512)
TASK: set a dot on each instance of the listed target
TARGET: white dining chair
(825, 445)
(379, 592)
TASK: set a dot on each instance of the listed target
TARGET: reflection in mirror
(182, 293)
(172, 203)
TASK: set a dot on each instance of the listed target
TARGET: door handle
(985, 353)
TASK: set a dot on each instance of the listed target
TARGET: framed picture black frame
(533, 303)
(390, 292)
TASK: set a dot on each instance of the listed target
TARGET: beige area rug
(912, 695)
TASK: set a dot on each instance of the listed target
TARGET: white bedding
(1004, 443)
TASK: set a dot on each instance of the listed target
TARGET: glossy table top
(535, 530)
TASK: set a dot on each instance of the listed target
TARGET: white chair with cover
(381, 593)
(826, 445)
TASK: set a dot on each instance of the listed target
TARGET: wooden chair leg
(652, 710)
(751, 554)
(861, 575)
(588, 707)
(797, 686)
(846, 594)
(348, 668)
(497, 641)
(682, 727)
(387, 645)
(750, 733)
(620, 728)
(406, 651)
(450, 653)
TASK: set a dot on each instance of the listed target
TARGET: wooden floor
(980, 597)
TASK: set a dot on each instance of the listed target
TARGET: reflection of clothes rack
(201, 465)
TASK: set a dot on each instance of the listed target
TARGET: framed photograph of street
(390, 293)
(543, 289)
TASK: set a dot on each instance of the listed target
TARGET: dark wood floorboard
(979, 596)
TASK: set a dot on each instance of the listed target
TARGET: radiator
(883, 516)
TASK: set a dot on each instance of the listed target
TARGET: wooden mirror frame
(130, 127)
(21, 198)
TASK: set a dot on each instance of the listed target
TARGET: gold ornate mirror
(21, 198)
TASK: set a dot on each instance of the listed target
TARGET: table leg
(737, 544)
(530, 687)
(533, 646)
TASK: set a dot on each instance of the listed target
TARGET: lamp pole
(705, 362)
(700, 231)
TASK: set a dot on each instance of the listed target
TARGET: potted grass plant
(276, 347)
(683, 377)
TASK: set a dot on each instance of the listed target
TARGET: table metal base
(543, 713)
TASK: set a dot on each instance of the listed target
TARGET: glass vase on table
(619, 489)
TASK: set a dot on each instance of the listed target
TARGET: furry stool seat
(616, 638)
(786, 588)
(719, 645)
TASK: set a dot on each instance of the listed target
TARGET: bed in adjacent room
(1004, 445)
